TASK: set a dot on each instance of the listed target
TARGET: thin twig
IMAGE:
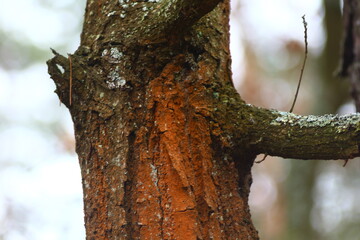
(70, 80)
(303, 65)
(300, 78)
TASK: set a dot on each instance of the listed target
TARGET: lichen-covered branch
(304, 137)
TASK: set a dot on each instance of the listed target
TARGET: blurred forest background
(40, 182)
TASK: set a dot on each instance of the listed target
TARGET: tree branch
(182, 14)
(133, 22)
(171, 17)
(304, 137)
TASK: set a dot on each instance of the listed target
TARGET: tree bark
(165, 143)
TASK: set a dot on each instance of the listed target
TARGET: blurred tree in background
(332, 94)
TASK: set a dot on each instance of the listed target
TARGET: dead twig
(303, 65)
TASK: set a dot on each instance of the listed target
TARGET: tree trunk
(165, 143)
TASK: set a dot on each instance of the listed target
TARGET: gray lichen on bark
(342, 122)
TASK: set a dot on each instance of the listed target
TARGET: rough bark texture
(165, 143)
